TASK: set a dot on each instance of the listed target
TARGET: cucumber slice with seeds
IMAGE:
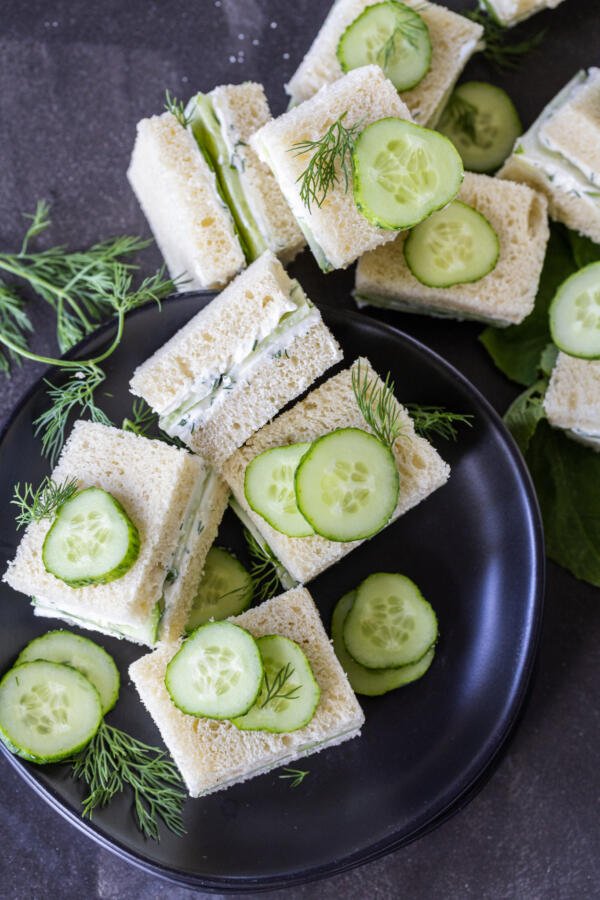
(403, 172)
(575, 314)
(347, 485)
(390, 35)
(370, 682)
(217, 673)
(289, 695)
(390, 623)
(225, 589)
(91, 541)
(47, 711)
(455, 245)
(82, 654)
(269, 489)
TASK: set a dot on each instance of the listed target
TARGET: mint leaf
(525, 413)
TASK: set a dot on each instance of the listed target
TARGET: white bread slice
(213, 755)
(204, 349)
(243, 109)
(453, 41)
(330, 406)
(155, 483)
(336, 232)
(177, 192)
(572, 400)
(506, 295)
(559, 155)
(509, 12)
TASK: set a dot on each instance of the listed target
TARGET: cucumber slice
(269, 489)
(82, 654)
(390, 35)
(371, 682)
(225, 589)
(217, 673)
(575, 314)
(390, 623)
(47, 711)
(481, 121)
(289, 695)
(455, 245)
(92, 540)
(347, 485)
(403, 172)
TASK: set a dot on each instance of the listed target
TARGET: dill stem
(60, 293)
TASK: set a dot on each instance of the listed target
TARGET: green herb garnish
(15, 324)
(437, 420)
(497, 50)
(461, 116)
(177, 109)
(329, 163)
(275, 688)
(263, 569)
(377, 404)
(295, 776)
(43, 502)
(144, 422)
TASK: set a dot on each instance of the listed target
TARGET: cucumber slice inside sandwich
(47, 711)
(91, 541)
(390, 35)
(217, 673)
(82, 654)
(289, 695)
(575, 314)
(455, 245)
(347, 485)
(403, 172)
(269, 489)
(225, 589)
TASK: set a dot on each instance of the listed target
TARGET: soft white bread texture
(453, 41)
(336, 232)
(505, 296)
(154, 482)
(330, 406)
(212, 755)
(509, 12)
(243, 109)
(572, 400)
(560, 155)
(204, 349)
(178, 194)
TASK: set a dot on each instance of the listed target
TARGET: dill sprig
(15, 324)
(329, 162)
(114, 760)
(377, 404)
(437, 420)
(295, 776)
(44, 501)
(405, 28)
(275, 688)
(144, 422)
(263, 569)
(462, 116)
(497, 50)
(176, 108)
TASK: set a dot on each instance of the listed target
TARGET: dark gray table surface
(75, 77)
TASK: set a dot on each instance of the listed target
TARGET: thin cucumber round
(225, 589)
(289, 695)
(347, 485)
(481, 121)
(82, 654)
(390, 623)
(575, 314)
(455, 245)
(371, 682)
(47, 711)
(269, 489)
(217, 673)
(403, 172)
(91, 541)
(390, 35)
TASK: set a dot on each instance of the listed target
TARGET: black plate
(475, 549)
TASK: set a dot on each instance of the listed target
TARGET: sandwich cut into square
(509, 12)
(212, 205)
(331, 406)
(504, 296)
(213, 755)
(241, 359)
(174, 500)
(572, 401)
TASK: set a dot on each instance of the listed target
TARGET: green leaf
(583, 249)
(525, 413)
(567, 481)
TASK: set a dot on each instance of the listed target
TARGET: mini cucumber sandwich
(479, 258)
(212, 206)
(560, 155)
(355, 169)
(255, 347)
(509, 12)
(261, 690)
(124, 553)
(421, 46)
(331, 471)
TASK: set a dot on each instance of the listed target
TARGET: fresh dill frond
(144, 422)
(377, 404)
(295, 776)
(176, 108)
(40, 221)
(329, 162)
(15, 325)
(263, 569)
(437, 420)
(461, 115)
(43, 502)
(498, 50)
(275, 688)
(405, 29)
(114, 760)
